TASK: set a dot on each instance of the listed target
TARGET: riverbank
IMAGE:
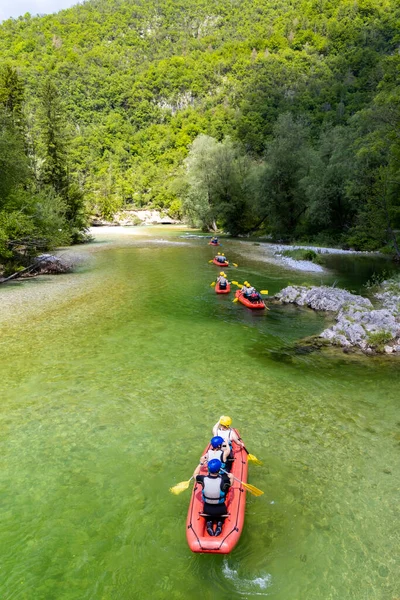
(359, 323)
(274, 254)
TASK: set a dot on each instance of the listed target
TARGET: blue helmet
(214, 465)
(217, 441)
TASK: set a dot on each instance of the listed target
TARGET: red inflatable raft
(214, 244)
(196, 534)
(246, 302)
(220, 264)
(218, 290)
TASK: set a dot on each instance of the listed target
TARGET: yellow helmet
(246, 283)
(225, 421)
(219, 253)
(222, 273)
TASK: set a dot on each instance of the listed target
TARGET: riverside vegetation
(249, 116)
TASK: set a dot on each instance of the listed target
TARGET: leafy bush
(303, 254)
(379, 339)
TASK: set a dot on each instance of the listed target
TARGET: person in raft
(223, 429)
(250, 292)
(215, 487)
(221, 258)
(216, 451)
(222, 280)
(214, 240)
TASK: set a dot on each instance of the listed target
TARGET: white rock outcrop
(358, 323)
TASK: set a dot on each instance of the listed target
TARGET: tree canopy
(302, 95)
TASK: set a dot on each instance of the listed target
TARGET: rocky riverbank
(130, 218)
(359, 324)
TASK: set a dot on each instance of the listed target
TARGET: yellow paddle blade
(235, 265)
(254, 459)
(212, 284)
(238, 284)
(180, 487)
(252, 489)
(210, 261)
(264, 292)
(235, 300)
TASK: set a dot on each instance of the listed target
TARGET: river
(112, 378)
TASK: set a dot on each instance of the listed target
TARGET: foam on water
(247, 586)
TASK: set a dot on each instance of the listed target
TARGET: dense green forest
(281, 117)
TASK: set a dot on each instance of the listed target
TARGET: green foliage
(303, 254)
(117, 93)
(37, 210)
(379, 339)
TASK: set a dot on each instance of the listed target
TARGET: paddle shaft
(235, 478)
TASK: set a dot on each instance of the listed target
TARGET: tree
(198, 202)
(55, 170)
(282, 199)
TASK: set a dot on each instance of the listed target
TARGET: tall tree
(282, 199)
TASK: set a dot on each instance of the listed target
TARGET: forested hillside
(293, 108)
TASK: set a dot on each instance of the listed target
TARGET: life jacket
(225, 433)
(212, 493)
(221, 259)
(222, 282)
(216, 454)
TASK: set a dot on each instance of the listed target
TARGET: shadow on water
(355, 271)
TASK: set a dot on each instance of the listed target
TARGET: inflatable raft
(246, 302)
(214, 244)
(226, 290)
(196, 533)
(220, 264)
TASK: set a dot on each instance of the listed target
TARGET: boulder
(358, 323)
(51, 264)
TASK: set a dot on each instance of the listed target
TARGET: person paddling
(216, 451)
(221, 258)
(215, 487)
(222, 281)
(245, 289)
(250, 292)
(223, 428)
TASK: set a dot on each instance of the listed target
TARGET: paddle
(180, 487)
(238, 284)
(251, 488)
(251, 457)
(213, 284)
(235, 265)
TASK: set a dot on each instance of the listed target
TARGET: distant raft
(196, 533)
(253, 305)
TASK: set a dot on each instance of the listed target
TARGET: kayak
(246, 302)
(196, 533)
(220, 264)
(218, 290)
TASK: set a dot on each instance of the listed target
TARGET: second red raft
(219, 290)
(220, 264)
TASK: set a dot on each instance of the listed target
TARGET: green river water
(111, 380)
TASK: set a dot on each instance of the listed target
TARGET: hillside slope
(141, 80)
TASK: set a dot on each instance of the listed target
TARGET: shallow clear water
(112, 378)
